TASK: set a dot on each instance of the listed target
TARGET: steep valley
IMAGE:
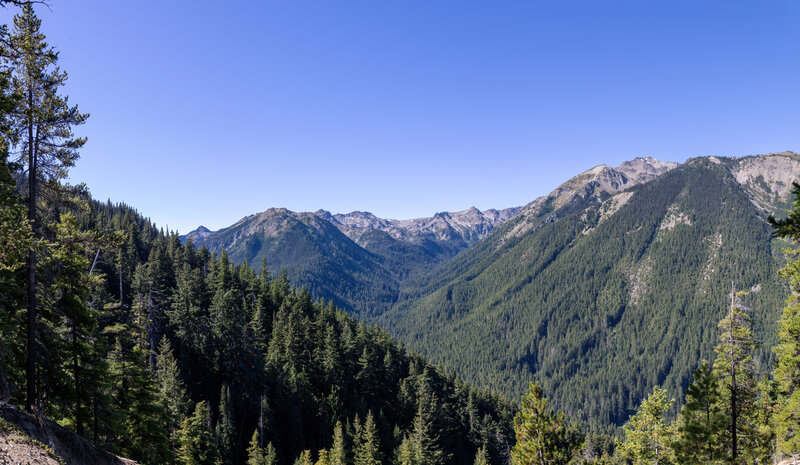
(610, 285)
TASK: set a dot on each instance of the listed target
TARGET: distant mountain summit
(356, 259)
(467, 226)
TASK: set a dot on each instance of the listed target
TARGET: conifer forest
(650, 319)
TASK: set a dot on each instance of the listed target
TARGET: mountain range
(607, 286)
(355, 260)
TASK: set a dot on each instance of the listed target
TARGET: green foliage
(702, 421)
(41, 127)
(144, 436)
(257, 455)
(171, 391)
(787, 351)
(481, 457)
(366, 445)
(338, 453)
(541, 436)
(648, 436)
(225, 430)
(196, 445)
(599, 307)
(736, 370)
(304, 459)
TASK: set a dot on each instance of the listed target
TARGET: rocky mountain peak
(643, 169)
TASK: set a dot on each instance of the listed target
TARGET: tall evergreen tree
(46, 145)
(15, 240)
(257, 455)
(735, 368)
(787, 351)
(541, 436)
(702, 422)
(648, 436)
(145, 434)
(304, 459)
(70, 289)
(171, 391)
(338, 453)
(481, 457)
(225, 429)
(366, 446)
(196, 445)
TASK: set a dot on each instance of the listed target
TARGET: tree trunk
(76, 375)
(32, 191)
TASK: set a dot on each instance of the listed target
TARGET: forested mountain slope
(356, 260)
(602, 293)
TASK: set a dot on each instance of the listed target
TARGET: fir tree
(787, 351)
(423, 440)
(702, 422)
(225, 429)
(338, 453)
(255, 454)
(366, 446)
(648, 436)
(195, 439)
(482, 456)
(735, 368)
(304, 459)
(171, 391)
(15, 238)
(46, 146)
(145, 436)
(541, 436)
(71, 287)
(323, 458)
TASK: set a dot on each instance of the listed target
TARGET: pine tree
(323, 458)
(423, 440)
(270, 456)
(702, 422)
(255, 454)
(404, 455)
(304, 459)
(225, 429)
(46, 146)
(482, 456)
(338, 453)
(648, 437)
(145, 435)
(171, 391)
(71, 286)
(736, 370)
(195, 439)
(541, 436)
(15, 238)
(787, 351)
(366, 447)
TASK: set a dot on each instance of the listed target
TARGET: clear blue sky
(204, 112)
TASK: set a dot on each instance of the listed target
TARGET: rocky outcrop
(26, 439)
(598, 182)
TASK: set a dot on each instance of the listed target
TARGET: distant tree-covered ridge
(603, 295)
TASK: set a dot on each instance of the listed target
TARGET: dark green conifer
(648, 436)
(702, 423)
(787, 351)
(196, 445)
(366, 445)
(541, 436)
(44, 144)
